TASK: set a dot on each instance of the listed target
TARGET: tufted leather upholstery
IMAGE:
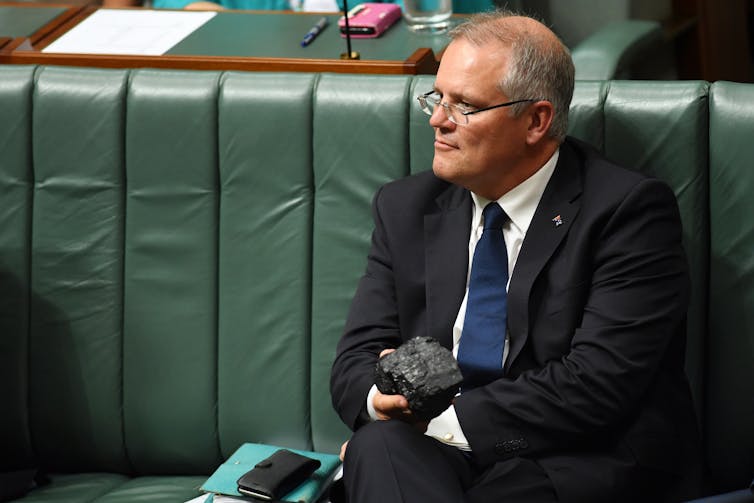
(178, 251)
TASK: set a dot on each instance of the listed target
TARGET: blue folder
(223, 481)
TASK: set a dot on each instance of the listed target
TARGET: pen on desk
(316, 29)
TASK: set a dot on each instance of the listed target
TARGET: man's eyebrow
(460, 98)
(449, 94)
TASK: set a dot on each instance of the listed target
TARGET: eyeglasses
(457, 114)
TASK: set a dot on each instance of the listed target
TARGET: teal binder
(223, 481)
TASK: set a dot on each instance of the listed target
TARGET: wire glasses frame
(456, 113)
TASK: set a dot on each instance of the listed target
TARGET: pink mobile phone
(369, 20)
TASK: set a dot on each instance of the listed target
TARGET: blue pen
(316, 29)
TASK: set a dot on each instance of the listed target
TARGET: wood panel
(422, 60)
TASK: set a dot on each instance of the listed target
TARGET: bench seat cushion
(115, 488)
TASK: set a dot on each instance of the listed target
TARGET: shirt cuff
(370, 403)
(447, 430)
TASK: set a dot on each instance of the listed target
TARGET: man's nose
(439, 118)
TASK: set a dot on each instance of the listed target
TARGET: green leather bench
(178, 251)
(630, 49)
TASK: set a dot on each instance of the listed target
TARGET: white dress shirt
(519, 204)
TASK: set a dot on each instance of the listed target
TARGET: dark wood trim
(723, 42)
(69, 13)
(718, 45)
(61, 20)
(13, 45)
(421, 61)
(55, 30)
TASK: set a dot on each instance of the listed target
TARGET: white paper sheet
(135, 32)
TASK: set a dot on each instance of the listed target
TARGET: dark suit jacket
(594, 387)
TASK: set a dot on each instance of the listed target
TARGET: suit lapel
(556, 212)
(446, 234)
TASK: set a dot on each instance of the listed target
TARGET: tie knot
(494, 216)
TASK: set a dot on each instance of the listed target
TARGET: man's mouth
(444, 144)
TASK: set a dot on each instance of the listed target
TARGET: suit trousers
(392, 462)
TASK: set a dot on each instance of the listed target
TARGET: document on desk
(217, 498)
(133, 32)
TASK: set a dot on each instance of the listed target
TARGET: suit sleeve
(371, 326)
(634, 310)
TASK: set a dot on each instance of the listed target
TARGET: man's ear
(540, 120)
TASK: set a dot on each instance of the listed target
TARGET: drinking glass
(427, 15)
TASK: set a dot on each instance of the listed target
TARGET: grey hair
(538, 69)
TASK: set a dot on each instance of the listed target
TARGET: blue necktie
(480, 353)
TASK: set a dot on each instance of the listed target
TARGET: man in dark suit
(589, 401)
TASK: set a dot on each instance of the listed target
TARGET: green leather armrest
(605, 53)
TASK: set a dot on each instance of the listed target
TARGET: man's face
(483, 154)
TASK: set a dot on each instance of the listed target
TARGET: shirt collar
(521, 201)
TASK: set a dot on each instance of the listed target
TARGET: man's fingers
(386, 352)
(389, 406)
(385, 403)
(399, 402)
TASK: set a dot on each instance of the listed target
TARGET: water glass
(427, 15)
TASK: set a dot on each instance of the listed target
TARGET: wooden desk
(259, 41)
(31, 22)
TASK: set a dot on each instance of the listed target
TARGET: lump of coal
(424, 372)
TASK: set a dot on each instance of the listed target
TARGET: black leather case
(276, 476)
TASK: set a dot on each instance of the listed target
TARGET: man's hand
(202, 5)
(395, 406)
(390, 406)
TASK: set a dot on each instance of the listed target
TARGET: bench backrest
(178, 251)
